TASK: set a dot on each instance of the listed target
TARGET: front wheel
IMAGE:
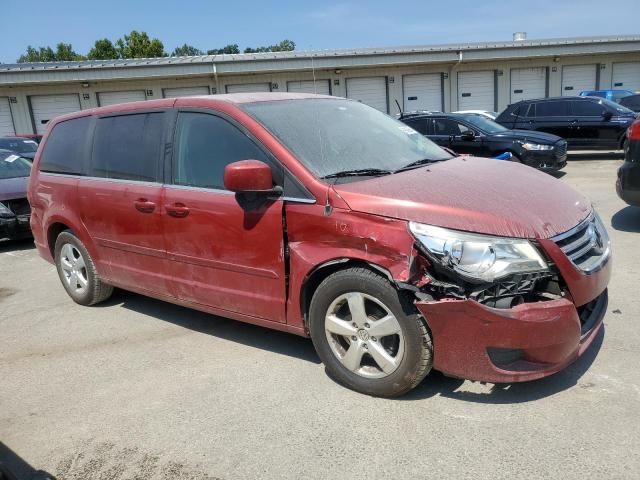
(369, 336)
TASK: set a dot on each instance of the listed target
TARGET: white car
(484, 113)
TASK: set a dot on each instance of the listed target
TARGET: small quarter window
(65, 148)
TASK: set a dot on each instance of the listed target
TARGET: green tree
(226, 50)
(103, 50)
(139, 45)
(186, 51)
(283, 46)
(63, 52)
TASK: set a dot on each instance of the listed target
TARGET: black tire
(96, 290)
(417, 359)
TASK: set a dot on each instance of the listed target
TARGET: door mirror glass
(468, 136)
(249, 176)
(607, 115)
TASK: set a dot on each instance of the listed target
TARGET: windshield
(13, 166)
(18, 145)
(484, 124)
(332, 136)
(616, 106)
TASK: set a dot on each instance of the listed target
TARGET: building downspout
(215, 76)
(451, 71)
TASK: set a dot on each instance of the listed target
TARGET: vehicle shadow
(244, 333)
(438, 384)
(558, 174)
(592, 155)
(14, 467)
(627, 220)
(16, 245)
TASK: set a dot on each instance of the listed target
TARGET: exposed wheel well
(54, 230)
(320, 273)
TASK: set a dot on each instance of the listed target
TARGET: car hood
(473, 194)
(528, 136)
(29, 155)
(11, 188)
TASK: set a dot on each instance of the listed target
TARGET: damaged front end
(500, 309)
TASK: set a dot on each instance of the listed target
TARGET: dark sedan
(14, 207)
(26, 147)
(628, 184)
(479, 136)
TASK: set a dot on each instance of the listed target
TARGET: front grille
(19, 206)
(561, 149)
(586, 245)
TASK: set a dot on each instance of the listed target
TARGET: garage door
(185, 92)
(476, 91)
(626, 76)
(422, 92)
(321, 87)
(369, 90)
(6, 119)
(576, 78)
(112, 98)
(528, 83)
(249, 87)
(47, 107)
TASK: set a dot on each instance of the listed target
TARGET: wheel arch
(316, 276)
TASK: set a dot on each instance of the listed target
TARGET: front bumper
(15, 227)
(549, 160)
(527, 342)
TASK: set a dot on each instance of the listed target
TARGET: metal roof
(308, 54)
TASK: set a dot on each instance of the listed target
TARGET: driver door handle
(145, 206)
(177, 210)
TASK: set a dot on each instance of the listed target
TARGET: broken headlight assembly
(478, 258)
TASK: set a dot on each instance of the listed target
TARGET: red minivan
(323, 217)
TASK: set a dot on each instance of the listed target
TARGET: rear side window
(206, 144)
(586, 108)
(552, 109)
(66, 146)
(128, 147)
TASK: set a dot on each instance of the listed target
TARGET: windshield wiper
(416, 164)
(360, 172)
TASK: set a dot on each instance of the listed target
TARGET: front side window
(129, 147)
(586, 108)
(484, 124)
(444, 126)
(552, 109)
(205, 145)
(65, 148)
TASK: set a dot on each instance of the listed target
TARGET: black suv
(480, 136)
(585, 122)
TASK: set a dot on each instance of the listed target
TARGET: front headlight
(478, 257)
(536, 146)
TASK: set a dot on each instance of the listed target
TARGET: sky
(312, 25)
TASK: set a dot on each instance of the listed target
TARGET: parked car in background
(484, 113)
(632, 102)
(14, 207)
(628, 183)
(480, 136)
(344, 225)
(585, 122)
(31, 136)
(24, 146)
(613, 95)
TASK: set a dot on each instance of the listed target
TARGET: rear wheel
(77, 271)
(369, 336)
